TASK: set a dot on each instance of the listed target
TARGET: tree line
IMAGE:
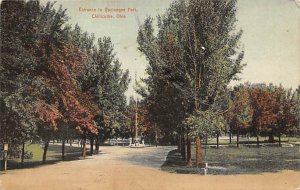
(263, 110)
(57, 81)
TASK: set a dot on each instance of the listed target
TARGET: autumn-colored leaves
(263, 110)
(61, 69)
(40, 65)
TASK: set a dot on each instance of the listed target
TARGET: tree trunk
(189, 153)
(63, 149)
(217, 140)
(71, 142)
(257, 141)
(84, 147)
(97, 145)
(92, 145)
(198, 151)
(179, 143)
(230, 136)
(206, 139)
(45, 151)
(183, 149)
(238, 139)
(22, 155)
(279, 139)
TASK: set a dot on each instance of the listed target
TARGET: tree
(105, 82)
(296, 110)
(195, 51)
(17, 103)
(240, 113)
(262, 102)
(284, 111)
(199, 124)
(63, 66)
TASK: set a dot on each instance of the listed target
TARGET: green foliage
(54, 81)
(17, 110)
(194, 56)
(296, 108)
(106, 82)
(205, 123)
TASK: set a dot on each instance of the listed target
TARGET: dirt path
(118, 169)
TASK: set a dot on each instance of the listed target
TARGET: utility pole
(136, 120)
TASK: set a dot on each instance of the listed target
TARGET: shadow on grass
(175, 164)
(53, 156)
(232, 160)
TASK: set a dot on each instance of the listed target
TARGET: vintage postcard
(150, 94)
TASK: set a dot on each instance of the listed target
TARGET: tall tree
(106, 82)
(195, 51)
(17, 62)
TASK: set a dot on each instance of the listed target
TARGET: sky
(271, 37)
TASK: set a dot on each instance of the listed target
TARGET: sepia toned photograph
(150, 95)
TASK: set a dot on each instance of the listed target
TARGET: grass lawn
(53, 155)
(244, 160)
(252, 140)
